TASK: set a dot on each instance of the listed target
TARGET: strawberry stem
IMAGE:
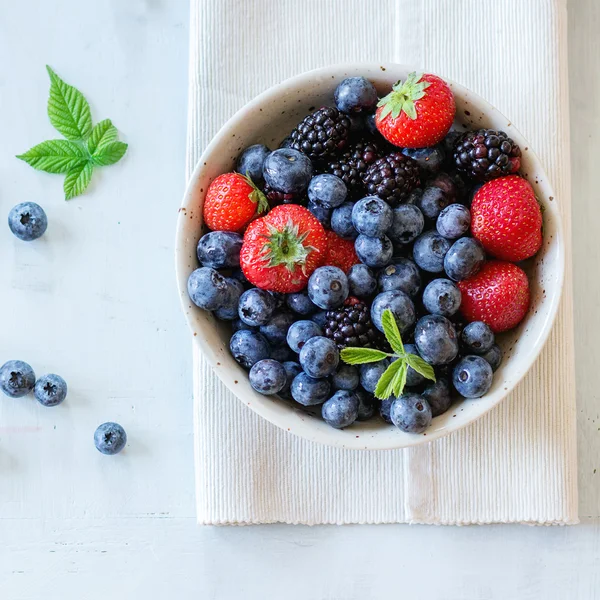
(403, 96)
(286, 247)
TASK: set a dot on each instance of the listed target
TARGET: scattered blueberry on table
(110, 438)
(27, 221)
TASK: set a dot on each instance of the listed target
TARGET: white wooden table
(95, 301)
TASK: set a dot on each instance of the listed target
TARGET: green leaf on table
(388, 382)
(420, 366)
(109, 154)
(77, 180)
(54, 156)
(68, 110)
(102, 133)
(391, 331)
(361, 356)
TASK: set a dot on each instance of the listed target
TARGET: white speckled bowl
(267, 119)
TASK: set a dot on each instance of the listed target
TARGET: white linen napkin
(518, 463)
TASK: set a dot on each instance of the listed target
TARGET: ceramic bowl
(268, 119)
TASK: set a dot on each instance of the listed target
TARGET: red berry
(417, 113)
(506, 218)
(498, 295)
(282, 249)
(340, 252)
(232, 201)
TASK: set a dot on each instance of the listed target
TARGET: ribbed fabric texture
(517, 464)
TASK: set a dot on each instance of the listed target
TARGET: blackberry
(352, 165)
(321, 134)
(392, 178)
(350, 325)
(486, 154)
(276, 198)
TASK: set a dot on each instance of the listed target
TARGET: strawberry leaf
(420, 366)
(387, 382)
(361, 356)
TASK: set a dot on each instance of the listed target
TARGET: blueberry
(328, 287)
(447, 184)
(477, 338)
(370, 124)
(401, 306)
(220, 249)
(208, 289)
(407, 224)
(370, 374)
(250, 162)
(341, 221)
(300, 332)
(433, 201)
(404, 275)
(300, 303)
(239, 275)
(414, 197)
(430, 250)
(282, 353)
(276, 328)
(292, 369)
(472, 376)
(341, 410)
(320, 318)
(328, 190)
(355, 95)
(411, 413)
(27, 221)
(429, 159)
(287, 170)
(50, 390)
(384, 409)
(256, 307)
(464, 259)
(366, 405)
(229, 311)
(413, 378)
(16, 378)
(321, 212)
(494, 357)
(248, 347)
(438, 396)
(309, 391)
(454, 221)
(345, 378)
(435, 338)
(239, 325)
(374, 252)
(110, 438)
(361, 281)
(372, 216)
(441, 297)
(319, 357)
(267, 376)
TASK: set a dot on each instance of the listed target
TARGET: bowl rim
(182, 271)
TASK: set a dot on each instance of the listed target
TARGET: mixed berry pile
(370, 210)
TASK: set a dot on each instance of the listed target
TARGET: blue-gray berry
(308, 391)
(454, 221)
(256, 307)
(267, 377)
(110, 438)
(435, 338)
(248, 347)
(17, 378)
(402, 275)
(328, 190)
(251, 162)
(319, 357)
(407, 224)
(411, 413)
(442, 297)
(27, 221)
(287, 170)
(220, 249)
(464, 259)
(328, 287)
(429, 251)
(375, 252)
(50, 390)
(361, 281)
(372, 216)
(472, 376)
(401, 306)
(355, 95)
(341, 410)
(477, 338)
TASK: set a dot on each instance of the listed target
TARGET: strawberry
(417, 113)
(232, 201)
(340, 252)
(282, 249)
(498, 295)
(506, 218)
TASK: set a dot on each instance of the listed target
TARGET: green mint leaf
(385, 385)
(109, 154)
(68, 110)
(103, 133)
(420, 366)
(361, 356)
(391, 331)
(399, 380)
(77, 179)
(54, 156)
